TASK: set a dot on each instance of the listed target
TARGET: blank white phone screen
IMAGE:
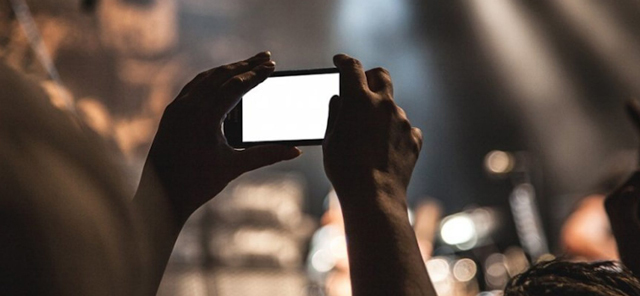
(288, 108)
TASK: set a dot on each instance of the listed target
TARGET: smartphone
(289, 107)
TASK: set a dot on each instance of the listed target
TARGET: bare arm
(370, 151)
(190, 161)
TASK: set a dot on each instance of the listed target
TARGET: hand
(370, 150)
(370, 147)
(190, 154)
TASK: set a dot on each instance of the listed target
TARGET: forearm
(160, 226)
(383, 252)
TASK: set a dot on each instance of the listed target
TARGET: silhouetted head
(574, 279)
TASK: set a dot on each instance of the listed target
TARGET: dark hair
(559, 277)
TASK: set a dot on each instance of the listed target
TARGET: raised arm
(370, 151)
(190, 161)
(623, 209)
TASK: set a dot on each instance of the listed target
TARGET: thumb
(334, 111)
(264, 155)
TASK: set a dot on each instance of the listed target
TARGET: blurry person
(586, 234)
(68, 227)
(557, 277)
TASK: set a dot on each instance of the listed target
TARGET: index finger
(232, 91)
(352, 77)
(216, 76)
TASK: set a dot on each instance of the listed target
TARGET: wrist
(154, 198)
(380, 190)
(373, 206)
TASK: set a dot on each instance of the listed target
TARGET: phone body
(288, 108)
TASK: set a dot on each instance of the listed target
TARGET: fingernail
(264, 54)
(269, 64)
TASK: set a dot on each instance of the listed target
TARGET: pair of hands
(369, 145)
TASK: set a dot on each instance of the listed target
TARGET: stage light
(528, 222)
(440, 274)
(458, 229)
(466, 230)
(438, 269)
(464, 270)
(338, 247)
(499, 162)
(534, 77)
(496, 274)
(516, 261)
(598, 25)
(322, 261)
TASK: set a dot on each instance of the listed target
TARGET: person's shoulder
(62, 200)
(17, 87)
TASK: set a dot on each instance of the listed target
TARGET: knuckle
(401, 113)
(418, 134)
(388, 104)
(201, 75)
(417, 146)
(417, 142)
(236, 81)
(353, 63)
(382, 71)
(382, 75)
(225, 68)
(360, 90)
(215, 71)
(405, 124)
